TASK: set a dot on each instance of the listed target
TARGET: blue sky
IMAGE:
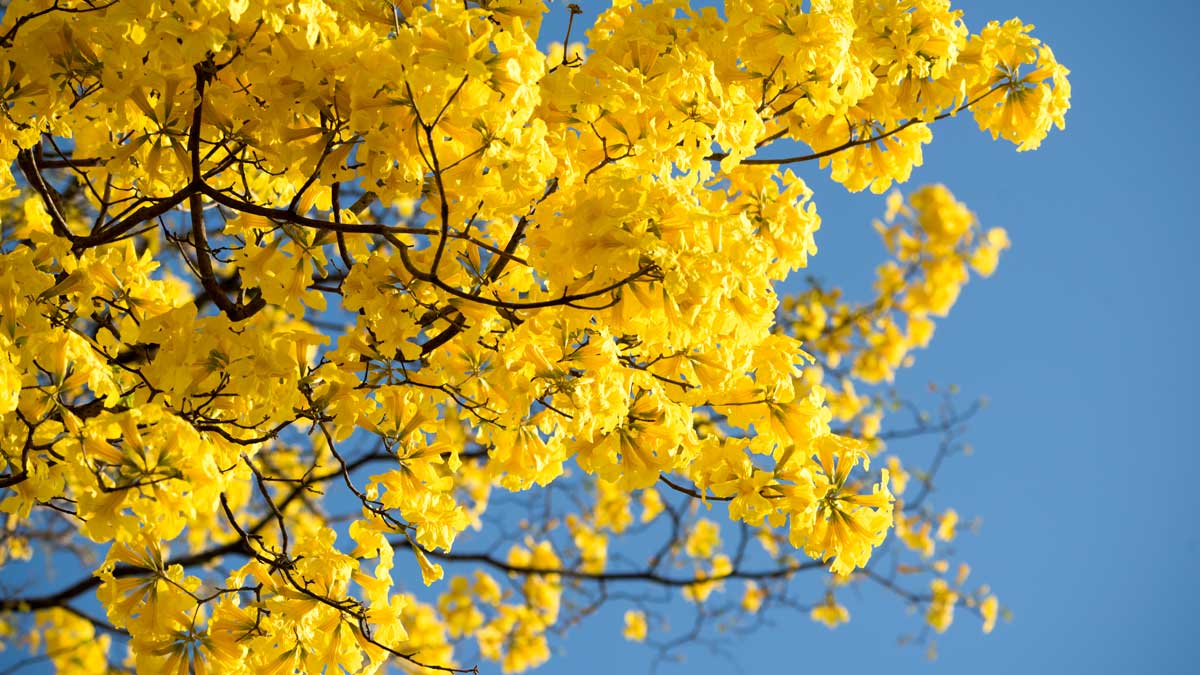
(1082, 473)
(1082, 342)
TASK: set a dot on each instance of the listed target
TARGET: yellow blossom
(635, 626)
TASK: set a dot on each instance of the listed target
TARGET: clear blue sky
(1084, 343)
(1083, 473)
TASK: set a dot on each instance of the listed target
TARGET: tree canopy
(307, 305)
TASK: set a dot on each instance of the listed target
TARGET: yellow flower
(652, 504)
(430, 571)
(898, 475)
(848, 525)
(941, 608)
(635, 626)
(830, 612)
(947, 522)
(704, 538)
(989, 608)
(1034, 91)
(752, 599)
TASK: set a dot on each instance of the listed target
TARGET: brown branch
(564, 299)
(285, 216)
(235, 547)
(12, 479)
(236, 311)
(857, 142)
(689, 491)
(647, 576)
(51, 199)
(6, 40)
(495, 268)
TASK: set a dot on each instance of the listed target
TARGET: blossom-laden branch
(542, 345)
